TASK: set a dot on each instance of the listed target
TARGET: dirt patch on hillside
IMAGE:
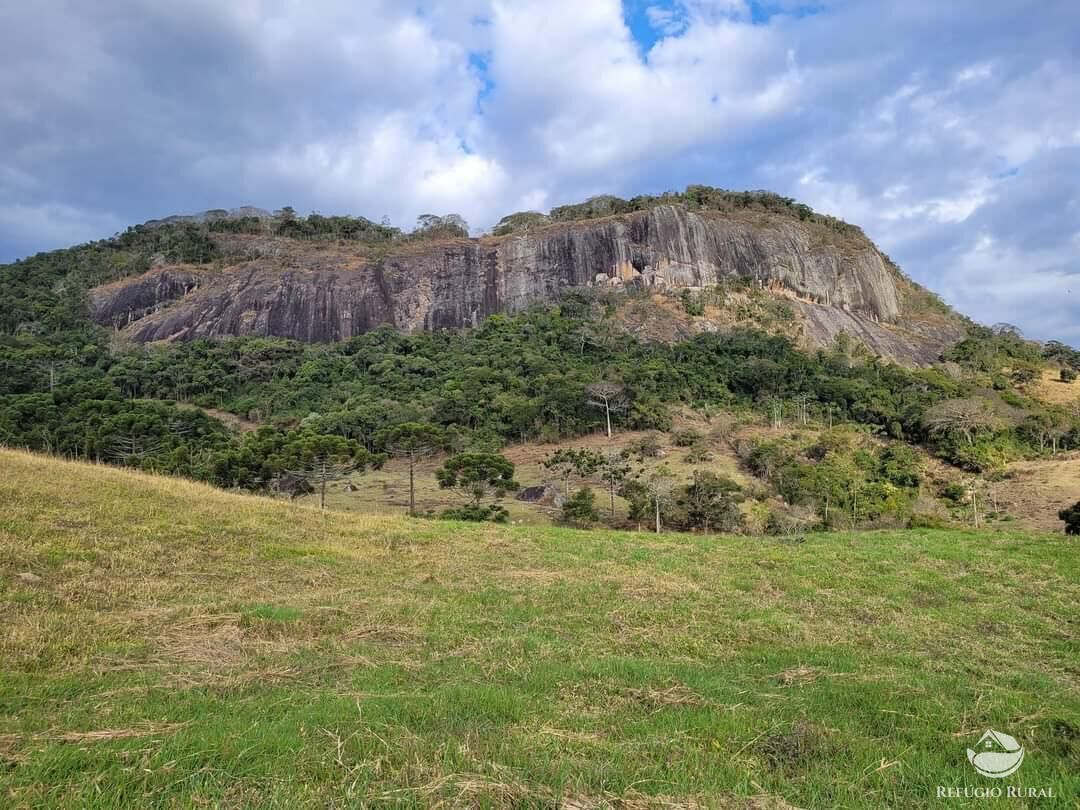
(1037, 490)
(1053, 391)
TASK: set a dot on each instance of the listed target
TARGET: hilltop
(167, 644)
(319, 279)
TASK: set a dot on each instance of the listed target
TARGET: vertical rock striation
(303, 292)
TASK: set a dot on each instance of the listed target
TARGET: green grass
(183, 647)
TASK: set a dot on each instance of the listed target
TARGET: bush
(923, 520)
(1071, 517)
(783, 524)
(645, 447)
(699, 454)
(477, 513)
(687, 438)
(649, 413)
(580, 509)
(1068, 375)
(955, 492)
(693, 304)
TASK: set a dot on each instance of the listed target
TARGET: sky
(950, 131)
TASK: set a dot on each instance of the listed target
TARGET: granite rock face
(327, 295)
(122, 303)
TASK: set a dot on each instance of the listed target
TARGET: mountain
(275, 277)
(693, 311)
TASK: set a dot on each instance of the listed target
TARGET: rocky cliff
(321, 292)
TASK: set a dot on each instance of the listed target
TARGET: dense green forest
(534, 376)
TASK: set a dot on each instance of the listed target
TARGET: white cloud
(666, 21)
(588, 104)
(949, 131)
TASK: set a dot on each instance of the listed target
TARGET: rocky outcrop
(911, 342)
(298, 291)
(124, 302)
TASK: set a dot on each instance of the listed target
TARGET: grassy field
(163, 644)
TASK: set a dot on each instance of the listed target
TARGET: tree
(1025, 373)
(322, 459)
(659, 485)
(648, 446)
(637, 496)
(431, 226)
(568, 461)
(580, 510)
(130, 449)
(614, 470)
(711, 500)
(478, 475)
(836, 482)
(964, 417)
(412, 441)
(1071, 517)
(610, 396)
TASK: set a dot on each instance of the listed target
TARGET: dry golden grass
(1035, 491)
(1050, 389)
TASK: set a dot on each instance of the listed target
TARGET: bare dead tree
(614, 471)
(777, 413)
(966, 417)
(611, 397)
(659, 486)
(802, 409)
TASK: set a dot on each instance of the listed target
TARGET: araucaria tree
(478, 476)
(412, 441)
(611, 397)
(322, 459)
(567, 462)
(614, 470)
(580, 510)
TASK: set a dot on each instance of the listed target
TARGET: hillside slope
(166, 644)
(330, 290)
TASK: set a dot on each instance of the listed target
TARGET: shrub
(1068, 375)
(699, 454)
(477, 513)
(693, 304)
(923, 520)
(580, 509)
(645, 447)
(1071, 517)
(687, 438)
(955, 492)
(784, 524)
(649, 413)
